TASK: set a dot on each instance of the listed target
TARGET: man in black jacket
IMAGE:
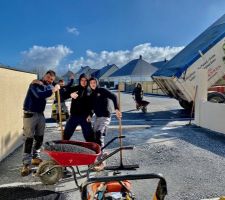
(138, 93)
(100, 98)
(80, 110)
(34, 120)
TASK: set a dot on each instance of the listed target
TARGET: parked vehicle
(177, 77)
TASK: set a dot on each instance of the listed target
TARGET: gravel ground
(191, 159)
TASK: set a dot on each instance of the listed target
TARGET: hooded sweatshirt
(35, 100)
(62, 92)
(100, 98)
(81, 106)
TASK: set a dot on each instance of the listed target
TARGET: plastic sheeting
(186, 57)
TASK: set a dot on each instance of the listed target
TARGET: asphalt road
(190, 158)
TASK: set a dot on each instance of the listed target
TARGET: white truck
(177, 77)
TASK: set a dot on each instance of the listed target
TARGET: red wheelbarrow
(51, 171)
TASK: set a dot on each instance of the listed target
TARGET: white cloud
(121, 57)
(44, 58)
(72, 30)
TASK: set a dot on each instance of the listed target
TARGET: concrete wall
(13, 88)
(207, 114)
(212, 116)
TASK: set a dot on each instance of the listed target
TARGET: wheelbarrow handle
(160, 193)
(108, 143)
(108, 156)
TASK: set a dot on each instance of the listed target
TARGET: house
(66, 77)
(137, 70)
(84, 70)
(103, 74)
(134, 71)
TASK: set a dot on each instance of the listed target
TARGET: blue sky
(70, 33)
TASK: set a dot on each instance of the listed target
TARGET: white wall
(207, 114)
(212, 116)
(13, 88)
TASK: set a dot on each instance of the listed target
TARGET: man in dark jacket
(138, 93)
(80, 110)
(100, 98)
(34, 120)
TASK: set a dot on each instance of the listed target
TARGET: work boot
(26, 170)
(36, 161)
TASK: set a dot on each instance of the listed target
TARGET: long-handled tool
(60, 114)
(120, 130)
(193, 105)
(121, 166)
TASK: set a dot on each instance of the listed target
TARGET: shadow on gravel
(151, 116)
(19, 193)
(205, 139)
(208, 140)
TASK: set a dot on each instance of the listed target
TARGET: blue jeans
(72, 124)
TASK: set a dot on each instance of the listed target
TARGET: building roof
(159, 64)
(99, 73)
(91, 71)
(83, 70)
(68, 74)
(137, 67)
(16, 69)
(186, 57)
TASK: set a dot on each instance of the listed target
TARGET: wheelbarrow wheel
(51, 176)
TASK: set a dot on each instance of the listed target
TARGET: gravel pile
(51, 146)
